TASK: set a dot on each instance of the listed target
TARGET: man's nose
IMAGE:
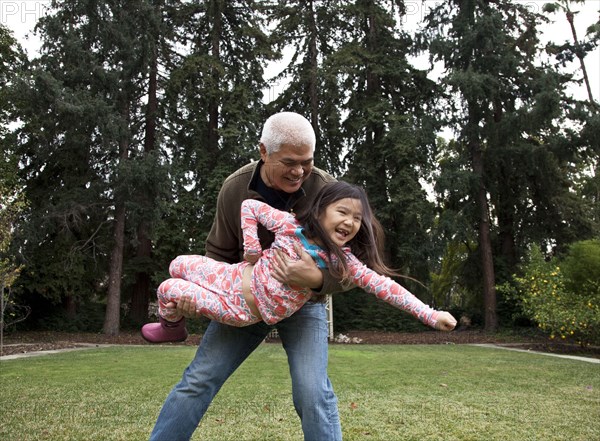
(297, 169)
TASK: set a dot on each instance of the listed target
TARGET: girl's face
(341, 220)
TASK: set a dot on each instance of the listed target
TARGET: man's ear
(263, 151)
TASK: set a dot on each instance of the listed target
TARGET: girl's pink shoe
(165, 331)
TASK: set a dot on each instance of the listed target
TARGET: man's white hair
(287, 128)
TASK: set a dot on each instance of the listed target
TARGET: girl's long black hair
(368, 243)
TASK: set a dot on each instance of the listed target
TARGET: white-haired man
(286, 179)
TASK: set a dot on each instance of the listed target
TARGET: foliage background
(116, 139)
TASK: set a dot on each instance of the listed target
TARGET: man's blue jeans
(224, 348)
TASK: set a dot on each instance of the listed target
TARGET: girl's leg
(216, 289)
(224, 306)
(171, 325)
(170, 291)
(187, 267)
(201, 270)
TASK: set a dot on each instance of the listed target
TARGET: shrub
(581, 266)
(544, 296)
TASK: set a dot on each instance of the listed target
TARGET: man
(286, 179)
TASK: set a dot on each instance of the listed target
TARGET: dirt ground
(24, 342)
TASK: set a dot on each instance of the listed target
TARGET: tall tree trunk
(570, 19)
(485, 242)
(70, 306)
(140, 295)
(213, 107)
(314, 69)
(507, 238)
(112, 317)
(141, 289)
(505, 200)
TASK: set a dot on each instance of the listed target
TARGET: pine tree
(506, 108)
(389, 131)
(310, 31)
(12, 200)
(214, 109)
(578, 49)
(82, 113)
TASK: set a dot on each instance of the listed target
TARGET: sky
(20, 16)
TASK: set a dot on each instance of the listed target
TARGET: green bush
(565, 308)
(581, 266)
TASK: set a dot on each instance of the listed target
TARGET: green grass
(385, 392)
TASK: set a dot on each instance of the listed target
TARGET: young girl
(338, 221)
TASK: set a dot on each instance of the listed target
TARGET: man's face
(288, 168)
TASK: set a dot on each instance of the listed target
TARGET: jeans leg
(222, 349)
(304, 338)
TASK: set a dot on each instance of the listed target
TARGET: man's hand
(302, 272)
(446, 322)
(185, 307)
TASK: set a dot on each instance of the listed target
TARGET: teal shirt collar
(311, 248)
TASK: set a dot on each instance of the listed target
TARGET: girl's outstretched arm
(396, 295)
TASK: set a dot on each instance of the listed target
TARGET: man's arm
(305, 272)
(222, 243)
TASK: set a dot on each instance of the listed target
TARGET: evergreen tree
(12, 64)
(310, 30)
(584, 117)
(152, 171)
(215, 110)
(82, 110)
(578, 48)
(506, 108)
(389, 131)
(469, 54)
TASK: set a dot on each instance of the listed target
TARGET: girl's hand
(446, 322)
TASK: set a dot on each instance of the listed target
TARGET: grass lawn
(386, 392)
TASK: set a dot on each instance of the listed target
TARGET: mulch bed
(24, 342)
